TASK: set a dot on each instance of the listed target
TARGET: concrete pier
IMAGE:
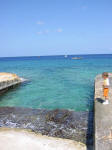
(16, 139)
(103, 117)
(7, 80)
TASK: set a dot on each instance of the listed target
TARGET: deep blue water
(54, 81)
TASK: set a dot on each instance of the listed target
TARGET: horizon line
(54, 55)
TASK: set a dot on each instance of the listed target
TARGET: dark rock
(58, 116)
(57, 123)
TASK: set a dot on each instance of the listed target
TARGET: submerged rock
(56, 123)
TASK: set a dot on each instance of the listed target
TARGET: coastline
(54, 123)
(57, 123)
(8, 80)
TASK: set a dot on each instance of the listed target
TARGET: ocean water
(54, 81)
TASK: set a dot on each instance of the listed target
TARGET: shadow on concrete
(99, 100)
(90, 131)
(90, 125)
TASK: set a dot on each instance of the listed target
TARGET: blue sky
(54, 27)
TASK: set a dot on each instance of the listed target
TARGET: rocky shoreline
(56, 123)
(59, 123)
(8, 80)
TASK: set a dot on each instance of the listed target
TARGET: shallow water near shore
(54, 81)
(55, 123)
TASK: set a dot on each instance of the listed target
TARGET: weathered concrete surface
(55, 123)
(8, 79)
(103, 117)
(13, 139)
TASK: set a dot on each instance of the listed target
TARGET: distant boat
(66, 56)
(76, 58)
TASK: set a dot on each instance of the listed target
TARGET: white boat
(65, 56)
(76, 58)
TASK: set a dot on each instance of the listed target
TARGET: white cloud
(59, 30)
(40, 23)
(40, 32)
(43, 32)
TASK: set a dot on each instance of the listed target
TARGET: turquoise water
(54, 81)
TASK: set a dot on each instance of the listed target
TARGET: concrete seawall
(17, 139)
(103, 117)
(7, 80)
